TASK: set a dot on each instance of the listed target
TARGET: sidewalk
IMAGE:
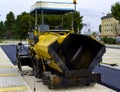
(113, 46)
(10, 79)
(8, 42)
(112, 56)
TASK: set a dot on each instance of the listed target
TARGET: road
(10, 51)
(109, 75)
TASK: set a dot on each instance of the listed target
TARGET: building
(110, 26)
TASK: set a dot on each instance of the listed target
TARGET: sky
(91, 10)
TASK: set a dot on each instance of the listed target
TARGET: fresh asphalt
(109, 77)
(10, 51)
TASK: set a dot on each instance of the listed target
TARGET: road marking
(10, 79)
(6, 75)
(13, 89)
(6, 66)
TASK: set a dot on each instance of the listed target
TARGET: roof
(52, 7)
(107, 16)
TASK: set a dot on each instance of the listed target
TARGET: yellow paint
(92, 37)
(55, 66)
(42, 46)
(60, 40)
(13, 89)
(4, 75)
(6, 66)
(56, 80)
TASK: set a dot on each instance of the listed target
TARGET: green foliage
(115, 10)
(18, 28)
(104, 39)
(77, 21)
(1, 29)
(0, 41)
(108, 40)
(56, 21)
(67, 21)
(100, 28)
(94, 34)
(23, 23)
(111, 41)
(9, 25)
(53, 21)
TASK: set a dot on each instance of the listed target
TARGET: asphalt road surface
(110, 77)
(10, 51)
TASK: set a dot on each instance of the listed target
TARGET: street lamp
(74, 2)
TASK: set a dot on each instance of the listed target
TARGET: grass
(1, 41)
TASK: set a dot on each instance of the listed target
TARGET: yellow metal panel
(41, 48)
(46, 40)
(62, 37)
(55, 66)
(60, 40)
(42, 51)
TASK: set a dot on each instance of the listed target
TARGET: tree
(23, 23)
(115, 10)
(77, 21)
(10, 25)
(53, 21)
(19, 27)
(67, 23)
(1, 29)
(94, 34)
(100, 26)
(63, 21)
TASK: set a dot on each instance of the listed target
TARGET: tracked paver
(7, 66)
(10, 79)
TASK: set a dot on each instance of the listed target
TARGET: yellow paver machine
(61, 58)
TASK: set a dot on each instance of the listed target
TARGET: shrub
(104, 39)
(108, 40)
(1, 41)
